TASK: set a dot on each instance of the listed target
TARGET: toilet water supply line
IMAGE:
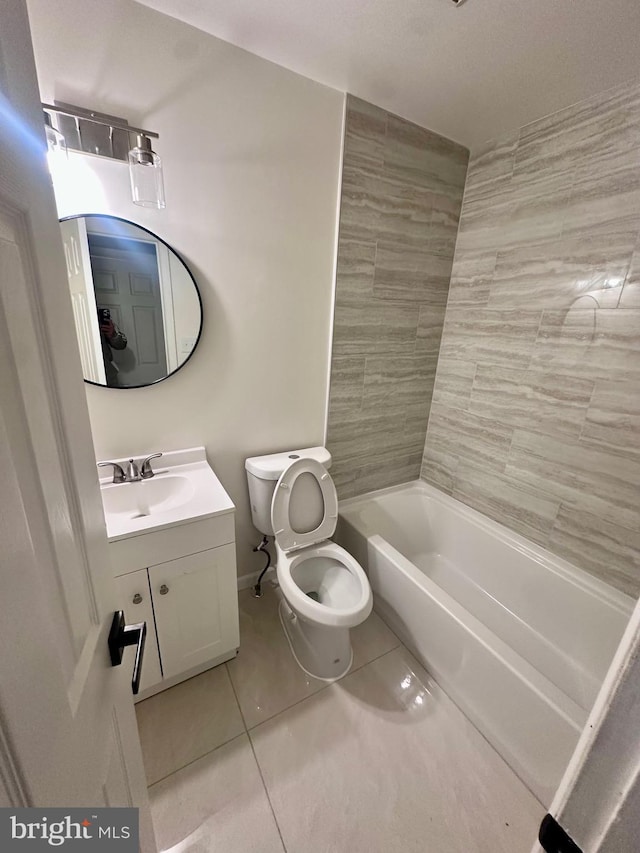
(257, 590)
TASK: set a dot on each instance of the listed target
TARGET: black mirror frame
(191, 276)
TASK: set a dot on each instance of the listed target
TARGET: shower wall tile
(526, 510)
(401, 197)
(493, 337)
(630, 297)
(528, 398)
(483, 441)
(613, 418)
(597, 545)
(429, 331)
(454, 381)
(412, 275)
(535, 418)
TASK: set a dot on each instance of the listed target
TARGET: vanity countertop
(183, 489)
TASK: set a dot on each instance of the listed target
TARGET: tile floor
(255, 756)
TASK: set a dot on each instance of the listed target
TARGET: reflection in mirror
(136, 307)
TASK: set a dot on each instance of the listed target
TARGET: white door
(68, 734)
(597, 805)
(83, 299)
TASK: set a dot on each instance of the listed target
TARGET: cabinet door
(196, 605)
(134, 597)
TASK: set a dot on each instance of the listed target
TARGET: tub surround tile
(422, 158)
(216, 803)
(483, 441)
(347, 383)
(374, 327)
(439, 467)
(630, 297)
(471, 278)
(398, 383)
(605, 204)
(429, 331)
(593, 344)
(429, 774)
(530, 399)
(183, 723)
(356, 268)
(365, 132)
(411, 274)
(613, 417)
(582, 475)
(603, 548)
(560, 273)
(382, 471)
(589, 132)
(542, 336)
(490, 167)
(507, 338)
(525, 509)
(401, 197)
(454, 381)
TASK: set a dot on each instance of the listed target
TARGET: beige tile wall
(401, 195)
(536, 408)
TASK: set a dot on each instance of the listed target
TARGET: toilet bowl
(325, 591)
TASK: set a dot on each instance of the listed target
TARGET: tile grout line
(194, 760)
(266, 791)
(255, 758)
(247, 730)
(325, 686)
(209, 751)
(235, 696)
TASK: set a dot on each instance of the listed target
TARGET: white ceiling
(470, 72)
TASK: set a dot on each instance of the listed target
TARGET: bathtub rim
(615, 598)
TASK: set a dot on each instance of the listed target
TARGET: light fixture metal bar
(88, 115)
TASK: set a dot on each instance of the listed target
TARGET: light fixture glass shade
(145, 171)
(55, 140)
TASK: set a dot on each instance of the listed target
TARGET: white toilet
(325, 591)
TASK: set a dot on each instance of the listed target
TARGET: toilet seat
(339, 614)
(287, 538)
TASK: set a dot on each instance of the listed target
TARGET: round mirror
(136, 307)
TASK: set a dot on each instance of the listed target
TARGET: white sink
(183, 489)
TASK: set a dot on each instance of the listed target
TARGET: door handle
(122, 635)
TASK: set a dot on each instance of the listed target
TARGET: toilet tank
(263, 472)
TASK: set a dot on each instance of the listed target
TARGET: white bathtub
(519, 638)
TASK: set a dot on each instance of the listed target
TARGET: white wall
(251, 157)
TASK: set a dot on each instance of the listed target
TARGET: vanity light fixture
(104, 135)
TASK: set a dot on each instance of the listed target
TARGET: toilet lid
(304, 509)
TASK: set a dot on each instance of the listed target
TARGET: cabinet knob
(137, 598)
(164, 589)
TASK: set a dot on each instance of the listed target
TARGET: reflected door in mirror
(137, 310)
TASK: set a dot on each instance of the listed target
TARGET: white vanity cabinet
(175, 568)
(190, 605)
(134, 598)
(192, 600)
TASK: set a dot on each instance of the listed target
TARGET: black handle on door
(121, 636)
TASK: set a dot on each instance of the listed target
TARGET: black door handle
(122, 635)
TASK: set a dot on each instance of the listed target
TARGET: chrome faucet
(134, 472)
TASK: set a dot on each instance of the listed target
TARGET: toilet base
(323, 652)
